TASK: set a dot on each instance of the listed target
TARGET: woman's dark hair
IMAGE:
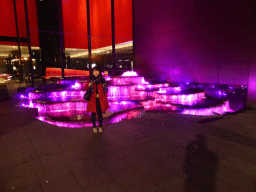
(95, 69)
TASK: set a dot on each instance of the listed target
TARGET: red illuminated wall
(7, 19)
(101, 23)
(56, 72)
(75, 22)
(123, 21)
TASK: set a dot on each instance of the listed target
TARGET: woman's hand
(90, 84)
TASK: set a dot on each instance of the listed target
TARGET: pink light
(30, 96)
(129, 74)
(177, 88)
(191, 97)
(221, 109)
(22, 96)
(76, 86)
(124, 102)
(108, 78)
(161, 91)
(63, 93)
(143, 81)
(31, 105)
(140, 87)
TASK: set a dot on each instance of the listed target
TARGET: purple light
(221, 109)
(130, 86)
(108, 78)
(177, 88)
(76, 86)
(64, 94)
(22, 96)
(129, 74)
(140, 87)
(143, 81)
(161, 91)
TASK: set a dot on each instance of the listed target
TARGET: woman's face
(96, 73)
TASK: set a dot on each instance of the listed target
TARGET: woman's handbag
(87, 95)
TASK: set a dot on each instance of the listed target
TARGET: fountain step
(202, 103)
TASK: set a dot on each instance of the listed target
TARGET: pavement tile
(176, 184)
(20, 157)
(92, 179)
(88, 151)
(92, 150)
(15, 136)
(145, 187)
(51, 173)
(83, 167)
(223, 186)
(187, 187)
(59, 159)
(115, 145)
(35, 187)
(129, 151)
(131, 155)
(70, 144)
(242, 152)
(109, 186)
(110, 162)
(127, 177)
(64, 183)
(164, 152)
(58, 178)
(3, 160)
(47, 147)
(240, 166)
(67, 157)
(17, 170)
(174, 165)
(146, 149)
(159, 175)
(142, 164)
(244, 182)
(19, 147)
(18, 183)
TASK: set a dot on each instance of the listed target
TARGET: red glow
(75, 23)
(101, 23)
(123, 21)
(56, 72)
(7, 19)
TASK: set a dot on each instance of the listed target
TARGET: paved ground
(157, 152)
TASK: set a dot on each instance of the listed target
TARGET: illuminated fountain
(129, 96)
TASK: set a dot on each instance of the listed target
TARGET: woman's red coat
(91, 105)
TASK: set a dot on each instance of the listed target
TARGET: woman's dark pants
(99, 113)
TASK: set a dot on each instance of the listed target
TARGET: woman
(98, 102)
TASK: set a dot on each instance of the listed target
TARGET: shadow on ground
(200, 166)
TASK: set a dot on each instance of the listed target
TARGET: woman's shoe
(100, 129)
(95, 130)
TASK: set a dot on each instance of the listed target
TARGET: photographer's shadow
(200, 166)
